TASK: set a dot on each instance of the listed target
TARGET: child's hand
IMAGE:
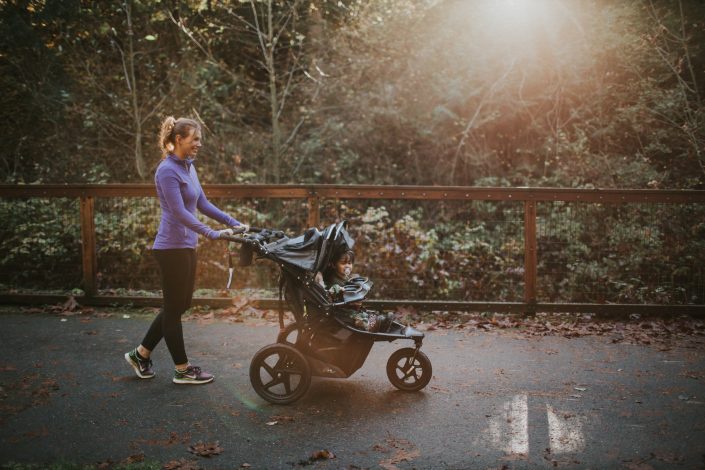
(336, 293)
(335, 289)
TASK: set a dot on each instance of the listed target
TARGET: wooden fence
(315, 194)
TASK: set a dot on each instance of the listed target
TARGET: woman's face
(188, 146)
(344, 267)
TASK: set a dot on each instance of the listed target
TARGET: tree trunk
(132, 84)
(273, 98)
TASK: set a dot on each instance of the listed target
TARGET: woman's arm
(169, 185)
(207, 208)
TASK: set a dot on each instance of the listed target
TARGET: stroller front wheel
(280, 374)
(409, 369)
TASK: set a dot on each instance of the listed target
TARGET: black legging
(178, 270)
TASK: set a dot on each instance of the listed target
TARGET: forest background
(583, 94)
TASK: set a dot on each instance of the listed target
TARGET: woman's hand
(228, 232)
(242, 228)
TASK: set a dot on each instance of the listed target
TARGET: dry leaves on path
(205, 449)
(404, 451)
(278, 419)
(317, 455)
(182, 464)
(662, 333)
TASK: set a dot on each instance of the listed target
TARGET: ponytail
(166, 136)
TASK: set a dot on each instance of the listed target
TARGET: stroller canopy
(313, 250)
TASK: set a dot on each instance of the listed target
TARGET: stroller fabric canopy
(313, 250)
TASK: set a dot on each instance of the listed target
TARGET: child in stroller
(334, 278)
(323, 340)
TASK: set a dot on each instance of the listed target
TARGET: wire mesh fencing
(446, 244)
(40, 244)
(621, 253)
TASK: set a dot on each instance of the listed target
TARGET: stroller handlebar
(251, 242)
(256, 236)
(233, 238)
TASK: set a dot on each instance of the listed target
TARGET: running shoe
(143, 367)
(192, 375)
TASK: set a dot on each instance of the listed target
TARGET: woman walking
(180, 194)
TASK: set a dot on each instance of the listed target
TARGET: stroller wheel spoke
(280, 362)
(287, 383)
(269, 370)
(272, 383)
(410, 373)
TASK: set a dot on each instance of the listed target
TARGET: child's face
(344, 266)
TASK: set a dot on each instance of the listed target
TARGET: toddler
(334, 277)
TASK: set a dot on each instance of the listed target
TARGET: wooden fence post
(314, 216)
(530, 256)
(88, 246)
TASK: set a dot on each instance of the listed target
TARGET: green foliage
(601, 94)
(40, 242)
(423, 250)
(626, 254)
(407, 258)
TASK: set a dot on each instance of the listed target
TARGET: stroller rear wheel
(409, 369)
(280, 374)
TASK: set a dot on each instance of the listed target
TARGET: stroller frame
(320, 342)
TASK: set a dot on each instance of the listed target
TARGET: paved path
(495, 401)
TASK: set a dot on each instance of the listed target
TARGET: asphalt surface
(495, 401)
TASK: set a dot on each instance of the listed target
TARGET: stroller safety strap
(230, 270)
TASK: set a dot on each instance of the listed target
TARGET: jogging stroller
(320, 342)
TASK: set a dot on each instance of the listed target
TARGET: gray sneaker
(143, 367)
(193, 375)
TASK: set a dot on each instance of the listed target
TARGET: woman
(180, 194)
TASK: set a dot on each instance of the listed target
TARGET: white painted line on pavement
(565, 431)
(509, 431)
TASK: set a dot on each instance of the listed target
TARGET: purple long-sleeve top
(180, 194)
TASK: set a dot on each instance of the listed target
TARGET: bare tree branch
(473, 119)
(209, 55)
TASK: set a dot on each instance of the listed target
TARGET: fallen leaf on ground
(205, 449)
(133, 459)
(404, 451)
(181, 464)
(69, 306)
(322, 454)
(206, 319)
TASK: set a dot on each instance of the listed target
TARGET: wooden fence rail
(314, 194)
